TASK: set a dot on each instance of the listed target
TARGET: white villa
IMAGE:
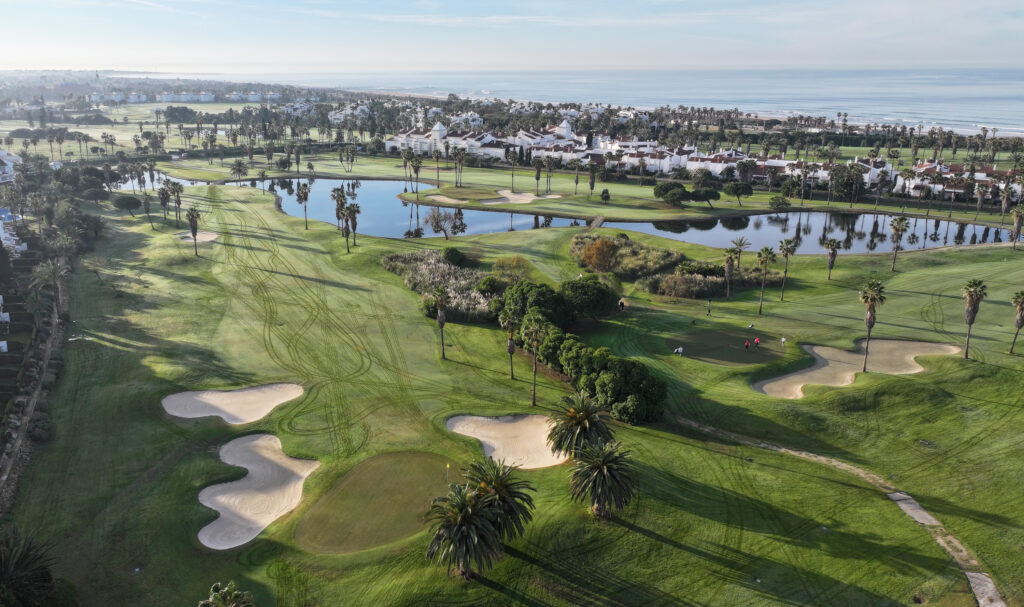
(7, 162)
(423, 141)
(935, 177)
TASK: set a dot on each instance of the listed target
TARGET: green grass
(380, 501)
(714, 523)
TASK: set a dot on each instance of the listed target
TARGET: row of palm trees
(475, 519)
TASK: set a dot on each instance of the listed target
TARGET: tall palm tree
(509, 497)
(509, 320)
(352, 211)
(532, 331)
(25, 577)
(872, 296)
(437, 166)
(787, 247)
(602, 474)
(192, 216)
(465, 531)
(146, 202)
(1005, 198)
(899, 226)
(730, 263)
(832, 246)
(741, 244)
(765, 257)
(302, 197)
(1018, 219)
(441, 301)
(164, 195)
(239, 169)
(50, 273)
(578, 421)
(510, 155)
(340, 200)
(974, 292)
(176, 189)
(1018, 302)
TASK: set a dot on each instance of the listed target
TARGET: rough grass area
(714, 523)
(379, 501)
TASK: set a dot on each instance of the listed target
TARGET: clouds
(341, 35)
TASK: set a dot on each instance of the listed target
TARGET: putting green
(379, 501)
(726, 347)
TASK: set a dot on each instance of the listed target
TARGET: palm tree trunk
(533, 402)
(195, 245)
(442, 344)
(967, 346)
(1014, 342)
(305, 215)
(785, 273)
(760, 303)
(894, 251)
(867, 342)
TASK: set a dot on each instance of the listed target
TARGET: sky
(308, 36)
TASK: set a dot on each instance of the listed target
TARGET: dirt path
(982, 585)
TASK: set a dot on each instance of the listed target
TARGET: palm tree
(441, 301)
(741, 245)
(466, 533)
(239, 169)
(416, 165)
(25, 577)
(165, 198)
(1018, 302)
(510, 155)
(832, 246)
(261, 175)
(227, 595)
(508, 495)
(532, 331)
(730, 260)
(575, 165)
(302, 197)
(176, 190)
(577, 422)
(192, 216)
(899, 227)
(437, 166)
(340, 200)
(974, 292)
(1018, 219)
(787, 247)
(872, 296)
(1006, 197)
(603, 475)
(146, 201)
(765, 257)
(353, 210)
(50, 273)
(509, 320)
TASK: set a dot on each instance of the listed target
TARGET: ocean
(960, 99)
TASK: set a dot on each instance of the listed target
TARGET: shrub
(491, 286)
(127, 203)
(599, 255)
(665, 187)
(455, 257)
(632, 259)
(779, 203)
(41, 427)
(511, 269)
(605, 196)
(524, 295)
(696, 280)
(95, 194)
(588, 296)
(423, 271)
(648, 180)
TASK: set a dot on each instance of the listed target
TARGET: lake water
(383, 214)
(961, 99)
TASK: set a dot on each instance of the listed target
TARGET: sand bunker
(834, 367)
(446, 199)
(518, 197)
(272, 488)
(233, 406)
(200, 236)
(520, 440)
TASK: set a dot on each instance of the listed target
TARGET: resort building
(424, 141)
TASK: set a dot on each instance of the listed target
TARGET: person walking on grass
(757, 343)
(746, 345)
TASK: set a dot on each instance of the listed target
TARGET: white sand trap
(201, 236)
(233, 406)
(447, 199)
(985, 590)
(518, 197)
(835, 367)
(520, 440)
(272, 488)
(912, 508)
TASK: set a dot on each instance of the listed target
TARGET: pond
(383, 214)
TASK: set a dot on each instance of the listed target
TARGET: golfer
(757, 342)
(746, 345)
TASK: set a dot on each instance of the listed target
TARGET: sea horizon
(959, 99)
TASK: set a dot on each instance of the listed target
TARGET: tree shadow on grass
(583, 584)
(730, 508)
